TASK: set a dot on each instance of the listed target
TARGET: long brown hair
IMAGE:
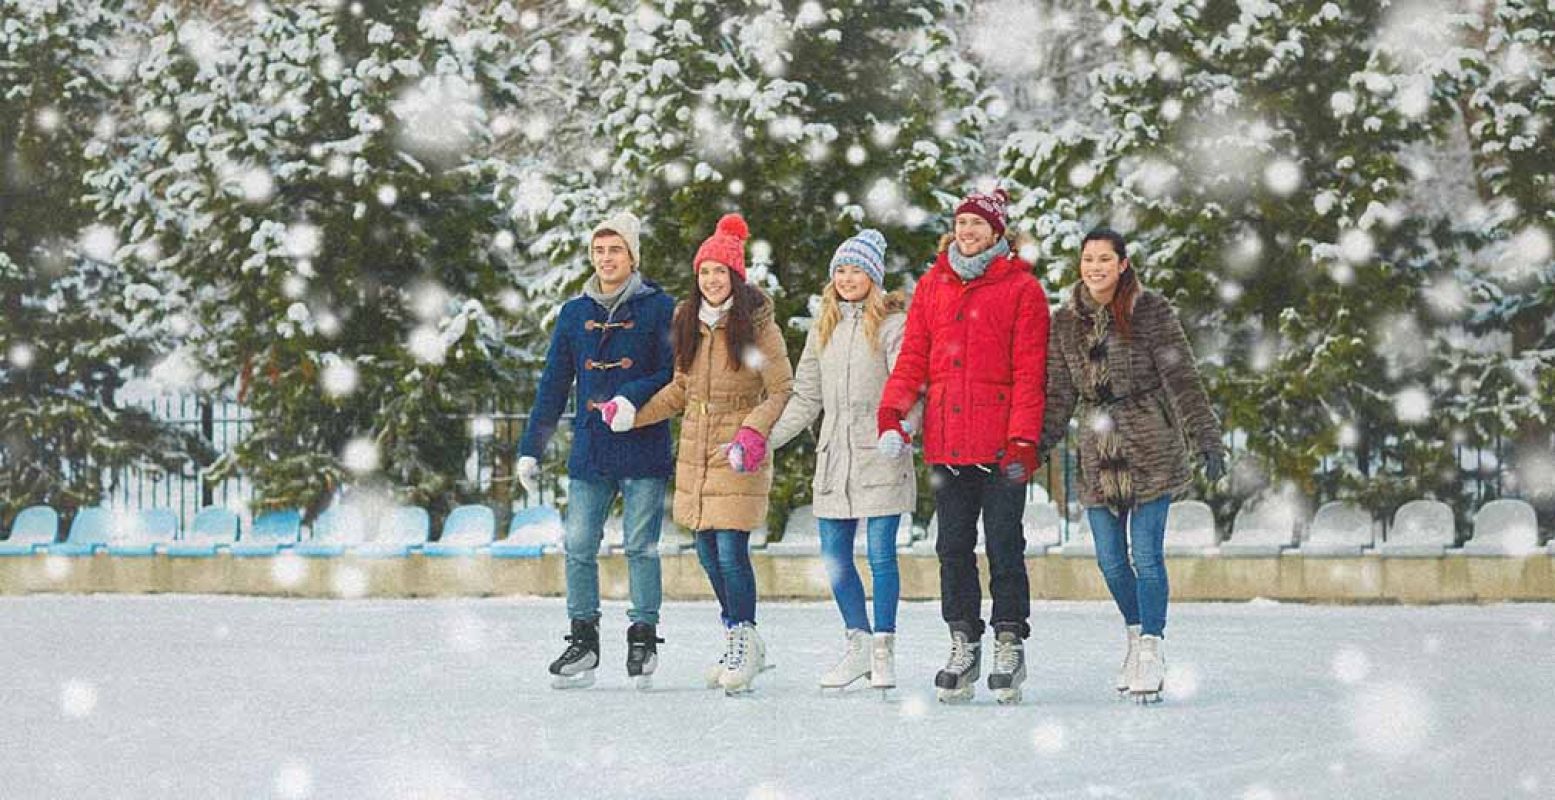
(739, 326)
(878, 305)
(1122, 305)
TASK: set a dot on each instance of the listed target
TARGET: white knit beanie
(625, 225)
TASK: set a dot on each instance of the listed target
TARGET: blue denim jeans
(588, 503)
(1140, 589)
(846, 586)
(726, 558)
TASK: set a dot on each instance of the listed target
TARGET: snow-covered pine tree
(71, 312)
(318, 178)
(812, 119)
(1252, 151)
(1502, 87)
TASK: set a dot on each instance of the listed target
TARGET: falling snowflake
(339, 377)
(287, 570)
(388, 195)
(1357, 246)
(1048, 738)
(77, 698)
(1282, 177)
(294, 781)
(1391, 719)
(1412, 406)
(349, 582)
(302, 240)
(21, 355)
(360, 455)
(99, 242)
(1351, 665)
(439, 116)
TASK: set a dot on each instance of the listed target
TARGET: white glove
(891, 444)
(625, 415)
(529, 475)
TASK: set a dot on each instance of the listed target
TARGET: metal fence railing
(493, 433)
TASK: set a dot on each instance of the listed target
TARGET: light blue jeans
(1140, 589)
(846, 586)
(588, 503)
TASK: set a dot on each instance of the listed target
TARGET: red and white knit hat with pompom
(726, 245)
(991, 206)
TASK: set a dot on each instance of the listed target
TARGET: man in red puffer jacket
(976, 347)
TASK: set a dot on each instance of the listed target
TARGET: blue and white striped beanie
(866, 250)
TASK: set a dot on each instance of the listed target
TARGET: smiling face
(974, 234)
(851, 282)
(612, 260)
(714, 282)
(1100, 269)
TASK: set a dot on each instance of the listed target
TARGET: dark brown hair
(1122, 305)
(740, 329)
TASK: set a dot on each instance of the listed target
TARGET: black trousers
(961, 495)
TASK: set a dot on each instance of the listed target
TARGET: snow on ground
(179, 696)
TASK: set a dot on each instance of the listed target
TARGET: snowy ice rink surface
(204, 697)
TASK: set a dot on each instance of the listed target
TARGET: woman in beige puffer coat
(847, 358)
(731, 380)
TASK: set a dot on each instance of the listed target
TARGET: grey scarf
(973, 267)
(613, 299)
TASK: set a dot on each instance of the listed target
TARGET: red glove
(1020, 461)
(889, 419)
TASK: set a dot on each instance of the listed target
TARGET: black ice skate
(1009, 664)
(642, 653)
(957, 682)
(574, 668)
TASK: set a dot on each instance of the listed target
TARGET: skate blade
(1007, 697)
(643, 682)
(838, 688)
(954, 697)
(582, 680)
(1145, 698)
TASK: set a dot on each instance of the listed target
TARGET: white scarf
(711, 314)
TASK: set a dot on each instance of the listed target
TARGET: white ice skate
(1130, 662)
(745, 659)
(1150, 674)
(957, 682)
(882, 663)
(853, 666)
(715, 672)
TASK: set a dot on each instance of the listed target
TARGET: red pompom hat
(726, 245)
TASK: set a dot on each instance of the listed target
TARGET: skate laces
(961, 655)
(734, 657)
(1006, 655)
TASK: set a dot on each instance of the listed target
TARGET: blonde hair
(878, 305)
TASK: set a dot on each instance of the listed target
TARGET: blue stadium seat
(148, 529)
(34, 527)
(531, 532)
(89, 532)
(272, 531)
(464, 534)
(214, 527)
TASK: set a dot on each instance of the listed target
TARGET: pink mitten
(608, 411)
(747, 451)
